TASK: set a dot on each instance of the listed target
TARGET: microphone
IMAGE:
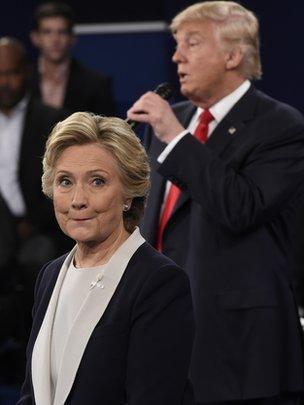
(164, 90)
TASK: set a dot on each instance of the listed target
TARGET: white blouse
(73, 293)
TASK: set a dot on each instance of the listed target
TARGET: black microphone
(165, 90)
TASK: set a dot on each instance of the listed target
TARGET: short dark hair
(54, 9)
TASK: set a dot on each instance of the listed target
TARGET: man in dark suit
(59, 80)
(228, 218)
(29, 233)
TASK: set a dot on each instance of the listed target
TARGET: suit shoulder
(283, 111)
(151, 262)
(87, 74)
(42, 111)
(182, 106)
(52, 265)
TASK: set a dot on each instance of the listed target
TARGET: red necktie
(201, 133)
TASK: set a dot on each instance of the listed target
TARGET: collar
(220, 109)
(57, 73)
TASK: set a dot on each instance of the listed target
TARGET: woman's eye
(65, 182)
(97, 181)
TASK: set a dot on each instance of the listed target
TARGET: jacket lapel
(41, 367)
(184, 118)
(229, 129)
(184, 112)
(232, 126)
(90, 313)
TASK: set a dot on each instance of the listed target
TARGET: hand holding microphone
(152, 108)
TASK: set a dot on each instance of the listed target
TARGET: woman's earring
(125, 207)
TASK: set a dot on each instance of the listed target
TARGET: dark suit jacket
(18, 272)
(232, 231)
(39, 120)
(139, 351)
(86, 90)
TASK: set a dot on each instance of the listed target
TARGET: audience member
(229, 216)
(29, 234)
(58, 79)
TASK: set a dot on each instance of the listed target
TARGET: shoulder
(87, 74)
(183, 107)
(50, 270)
(153, 268)
(43, 112)
(282, 111)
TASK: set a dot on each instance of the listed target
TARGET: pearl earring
(125, 207)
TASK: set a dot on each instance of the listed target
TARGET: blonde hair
(236, 25)
(115, 136)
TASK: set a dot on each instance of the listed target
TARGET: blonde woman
(113, 318)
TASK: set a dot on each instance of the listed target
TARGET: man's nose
(178, 55)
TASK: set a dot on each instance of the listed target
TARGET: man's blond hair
(237, 27)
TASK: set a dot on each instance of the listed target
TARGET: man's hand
(154, 110)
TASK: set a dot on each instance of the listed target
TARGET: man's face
(13, 76)
(201, 61)
(53, 39)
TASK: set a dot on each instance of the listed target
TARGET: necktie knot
(201, 132)
(206, 117)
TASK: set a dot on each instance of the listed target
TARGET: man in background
(29, 233)
(227, 178)
(59, 80)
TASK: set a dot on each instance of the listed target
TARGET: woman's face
(88, 194)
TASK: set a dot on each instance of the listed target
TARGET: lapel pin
(97, 282)
(231, 130)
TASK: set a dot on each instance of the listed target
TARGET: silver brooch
(97, 283)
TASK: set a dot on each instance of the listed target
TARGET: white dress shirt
(11, 129)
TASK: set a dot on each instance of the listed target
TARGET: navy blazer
(232, 230)
(139, 351)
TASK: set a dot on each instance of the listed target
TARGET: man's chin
(186, 91)
(56, 59)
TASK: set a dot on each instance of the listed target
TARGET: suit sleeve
(161, 341)
(247, 192)
(26, 395)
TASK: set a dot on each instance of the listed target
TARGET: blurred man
(228, 218)
(26, 215)
(59, 80)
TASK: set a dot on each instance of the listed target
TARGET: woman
(113, 318)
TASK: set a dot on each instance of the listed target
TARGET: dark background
(136, 68)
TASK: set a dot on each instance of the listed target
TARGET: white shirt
(11, 129)
(73, 293)
(218, 110)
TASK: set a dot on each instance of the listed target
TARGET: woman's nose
(79, 199)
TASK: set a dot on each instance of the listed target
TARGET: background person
(113, 318)
(26, 215)
(58, 79)
(230, 217)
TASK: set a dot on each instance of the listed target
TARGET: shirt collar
(222, 107)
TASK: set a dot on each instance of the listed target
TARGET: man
(26, 215)
(59, 80)
(237, 183)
